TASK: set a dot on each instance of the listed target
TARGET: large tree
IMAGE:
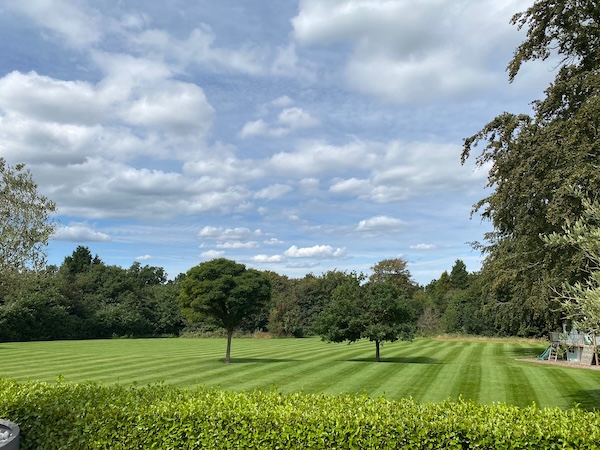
(377, 311)
(581, 300)
(533, 162)
(225, 292)
(25, 223)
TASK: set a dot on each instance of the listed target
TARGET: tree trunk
(377, 351)
(228, 352)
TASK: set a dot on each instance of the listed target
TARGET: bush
(93, 416)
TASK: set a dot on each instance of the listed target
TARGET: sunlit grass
(485, 371)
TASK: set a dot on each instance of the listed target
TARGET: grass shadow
(588, 400)
(258, 360)
(401, 360)
(525, 352)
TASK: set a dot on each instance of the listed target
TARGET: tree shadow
(588, 400)
(258, 360)
(400, 360)
(526, 352)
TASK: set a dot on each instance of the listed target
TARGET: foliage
(25, 224)
(85, 298)
(533, 161)
(394, 271)
(377, 311)
(581, 300)
(226, 292)
(91, 416)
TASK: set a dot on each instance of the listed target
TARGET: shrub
(94, 416)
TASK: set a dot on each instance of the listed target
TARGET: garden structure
(574, 346)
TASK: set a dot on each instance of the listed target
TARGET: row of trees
(85, 298)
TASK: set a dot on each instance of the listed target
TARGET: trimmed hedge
(94, 416)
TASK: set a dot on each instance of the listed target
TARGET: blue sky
(293, 136)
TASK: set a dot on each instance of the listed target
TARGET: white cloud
(351, 186)
(289, 120)
(396, 57)
(423, 247)
(296, 118)
(256, 128)
(79, 232)
(282, 101)
(224, 234)
(211, 254)
(273, 191)
(176, 107)
(143, 258)
(199, 48)
(80, 28)
(288, 64)
(273, 241)
(317, 251)
(268, 259)
(43, 98)
(380, 223)
(236, 245)
(315, 158)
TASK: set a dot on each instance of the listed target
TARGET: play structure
(573, 346)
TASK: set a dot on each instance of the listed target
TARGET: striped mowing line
(467, 381)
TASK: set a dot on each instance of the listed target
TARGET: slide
(546, 353)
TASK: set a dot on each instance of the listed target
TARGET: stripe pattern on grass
(427, 370)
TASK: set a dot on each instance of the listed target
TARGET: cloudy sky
(293, 136)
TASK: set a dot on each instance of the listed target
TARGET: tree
(225, 292)
(533, 162)
(375, 311)
(25, 224)
(394, 271)
(581, 300)
(459, 277)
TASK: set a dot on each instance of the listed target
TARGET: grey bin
(9, 435)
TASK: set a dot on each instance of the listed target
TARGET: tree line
(84, 298)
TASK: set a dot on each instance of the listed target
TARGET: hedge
(95, 416)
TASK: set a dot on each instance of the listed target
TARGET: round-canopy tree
(225, 292)
(378, 311)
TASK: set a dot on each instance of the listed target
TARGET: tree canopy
(25, 224)
(377, 311)
(225, 292)
(581, 300)
(534, 160)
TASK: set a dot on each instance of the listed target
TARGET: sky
(291, 136)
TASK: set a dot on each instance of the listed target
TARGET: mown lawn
(485, 371)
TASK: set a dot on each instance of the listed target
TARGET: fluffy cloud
(80, 27)
(317, 251)
(396, 58)
(273, 191)
(351, 186)
(211, 254)
(289, 120)
(224, 234)
(268, 259)
(79, 232)
(199, 48)
(143, 258)
(423, 247)
(296, 118)
(380, 223)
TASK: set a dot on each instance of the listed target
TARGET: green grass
(485, 371)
